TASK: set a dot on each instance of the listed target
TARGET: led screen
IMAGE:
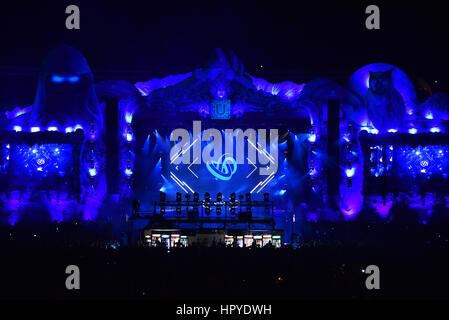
(45, 166)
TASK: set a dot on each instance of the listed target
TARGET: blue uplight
(434, 129)
(128, 117)
(17, 128)
(92, 172)
(412, 130)
(35, 129)
(312, 138)
(350, 172)
(429, 115)
(313, 172)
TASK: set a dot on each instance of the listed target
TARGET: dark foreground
(413, 262)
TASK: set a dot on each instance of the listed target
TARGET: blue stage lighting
(42, 159)
(427, 161)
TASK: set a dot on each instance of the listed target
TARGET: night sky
(292, 40)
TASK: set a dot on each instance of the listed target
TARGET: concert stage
(217, 155)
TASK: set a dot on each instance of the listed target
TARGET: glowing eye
(73, 79)
(57, 79)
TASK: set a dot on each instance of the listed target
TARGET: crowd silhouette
(325, 262)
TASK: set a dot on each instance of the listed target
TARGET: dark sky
(293, 40)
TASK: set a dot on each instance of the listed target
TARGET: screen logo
(222, 169)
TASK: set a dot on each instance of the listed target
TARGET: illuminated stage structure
(320, 150)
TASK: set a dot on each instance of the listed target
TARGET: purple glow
(382, 209)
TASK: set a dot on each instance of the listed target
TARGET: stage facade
(217, 155)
